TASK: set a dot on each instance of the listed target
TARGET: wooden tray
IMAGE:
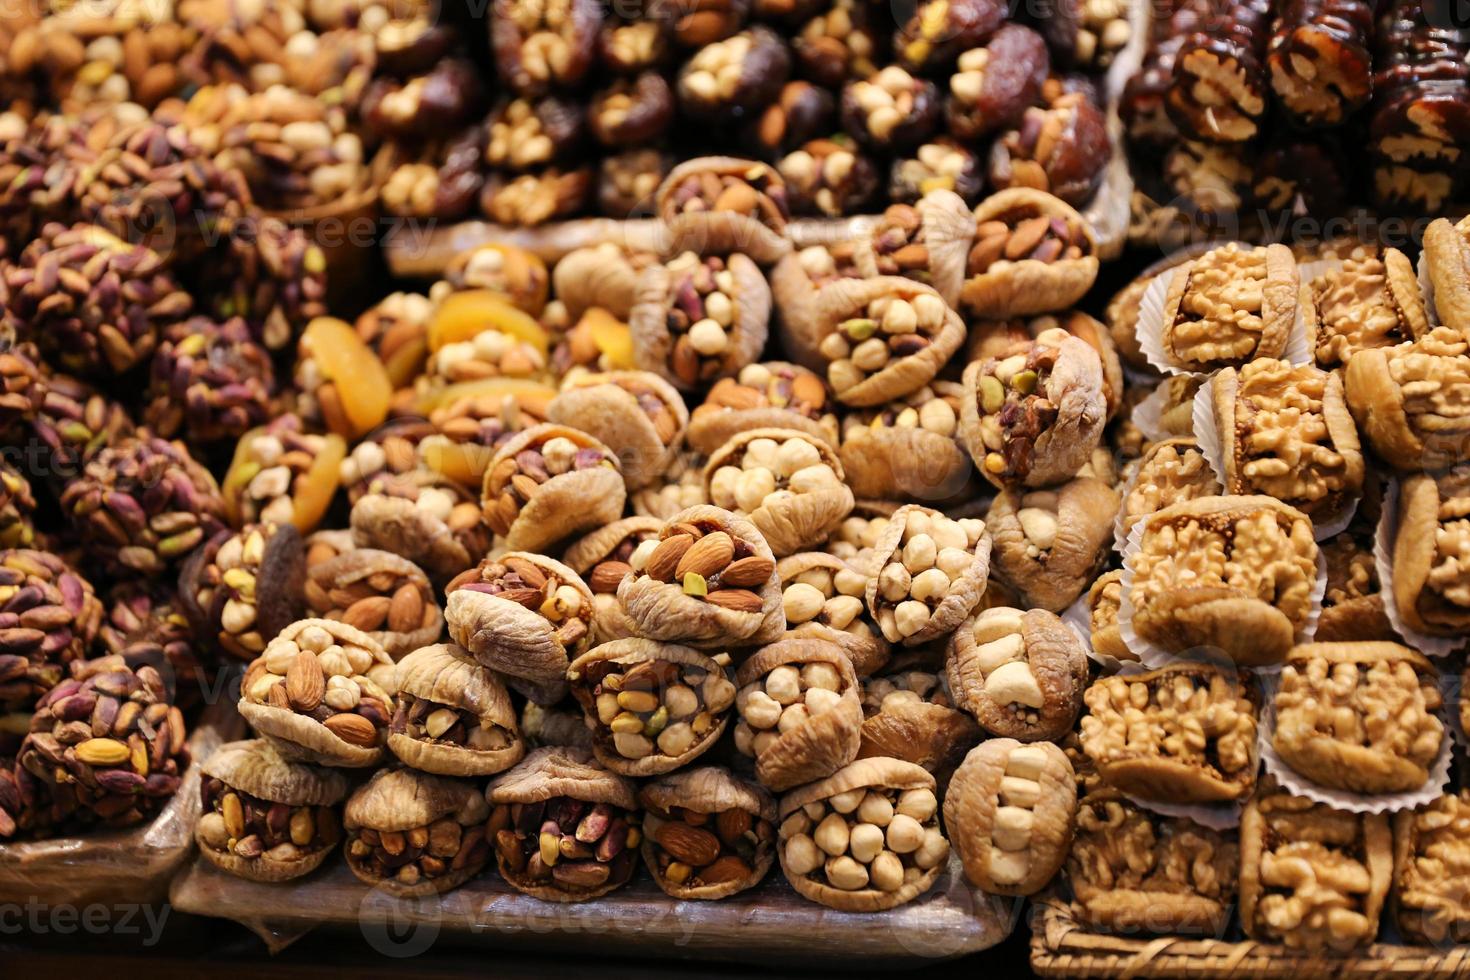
(1062, 947)
(770, 924)
(134, 865)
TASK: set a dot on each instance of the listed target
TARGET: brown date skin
(460, 176)
(644, 121)
(1313, 169)
(415, 50)
(920, 124)
(559, 194)
(789, 13)
(852, 196)
(764, 72)
(968, 24)
(610, 58)
(1018, 68)
(579, 33)
(826, 60)
(560, 119)
(800, 113)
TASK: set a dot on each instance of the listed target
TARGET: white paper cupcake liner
(1148, 414)
(1155, 656)
(1150, 330)
(1388, 529)
(1220, 816)
(1339, 799)
(1207, 434)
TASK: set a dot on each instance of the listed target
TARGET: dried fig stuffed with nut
(718, 205)
(1033, 417)
(1010, 810)
(542, 726)
(636, 414)
(823, 600)
(882, 337)
(1033, 253)
(410, 833)
(417, 529)
(321, 693)
(267, 819)
(1407, 400)
(909, 715)
(1447, 262)
(1021, 674)
(927, 242)
(1229, 306)
(1050, 543)
(800, 715)
(1429, 575)
(453, 715)
(385, 596)
(603, 275)
(796, 282)
(790, 485)
(682, 487)
(1104, 602)
(652, 707)
(907, 449)
(603, 559)
(549, 483)
(243, 587)
(865, 839)
(564, 829)
(525, 616)
(770, 394)
(709, 581)
(929, 572)
(706, 833)
(697, 319)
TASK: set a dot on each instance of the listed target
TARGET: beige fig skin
(446, 674)
(602, 407)
(716, 232)
(1447, 258)
(1054, 580)
(1420, 606)
(396, 525)
(565, 504)
(822, 744)
(255, 768)
(402, 799)
(947, 230)
(794, 523)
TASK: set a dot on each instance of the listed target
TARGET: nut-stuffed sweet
(866, 838)
(907, 449)
(1233, 573)
(525, 616)
(929, 574)
(799, 712)
(1370, 301)
(770, 394)
(1353, 602)
(1183, 734)
(651, 707)
(1359, 716)
(453, 716)
(436, 527)
(636, 414)
(910, 715)
(284, 695)
(1285, 432)
(548, 483)
(1033, 416)
(1312, 878)
(1170, 471)
(1132, 869)
(1021, 674)
(1447, 260)
(994, 84)
(790, 485)
(1409, 401)
(410, 833)
(709, 581)
(1229, 306)
(715, 205)
(926, 242)
(1032, 253)
(1050, 543)
(822, 597)
(267, 819)
(385, 596)
(890, 109)
(564, 829)
(1431, 862)
(707, 834)
(1010, 810)
(1431, 573)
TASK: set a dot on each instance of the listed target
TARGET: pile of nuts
(786, 698)
(670, 707)
(574, 845)
(251, 827)
(706, 563)
(763, 471)
(278, 477)
(418, 854)
(831, 598)
(1023, 237)
(889, 329)
(771, 385)
(703, 305)
(377, 592)
(753, 194)
(694, 849)
(932, 556)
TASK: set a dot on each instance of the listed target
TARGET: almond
(708, 555)
(606, 576)
(732, 824)
(305, 682)
(406, 611)
(740, 600)
(694, 846)
(368, 614)
(723, 871)
(808, 388)
(530, 598)
(748, 572)
(353, 729)
(527, 570)
(666, 557)
(733, 395)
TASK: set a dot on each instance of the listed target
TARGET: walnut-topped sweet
(1170, 472)
(708, 581)
(864, 839)
(1431, 864)
(1033, 416)
(1431, 552)
(1312, 878)
(799, 711)
(1409, 401)
(1359, 716)
(453, 716)
(706, 833)
(1370, 301)
(822, 597)
(1021, 674)
(1285, 432)
(930, 573)
(1229, 306)
(1010, 809)
(1234, 573)
(549, 482)
(789, 483)
(321, 692)
(1132, 869)
(1183, 734)
(651, 707)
